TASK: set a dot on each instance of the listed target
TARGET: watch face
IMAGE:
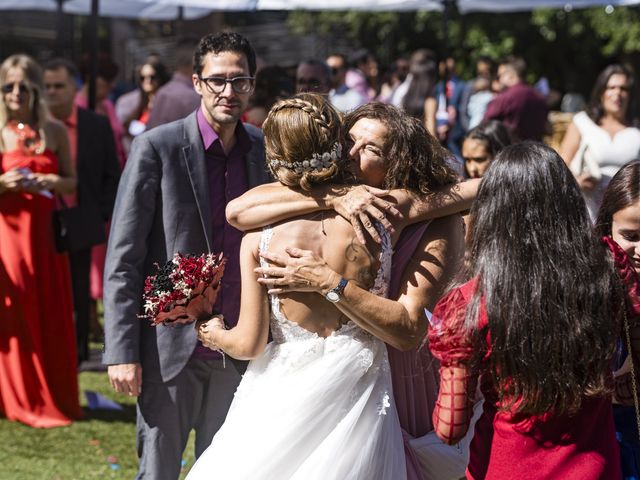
(333, 297)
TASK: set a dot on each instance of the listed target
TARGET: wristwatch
(335, 293)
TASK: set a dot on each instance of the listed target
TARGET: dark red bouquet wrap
(184, 290)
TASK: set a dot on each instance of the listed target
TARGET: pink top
(506, 445)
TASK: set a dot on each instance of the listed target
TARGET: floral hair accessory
(184, 289)
(317, 162)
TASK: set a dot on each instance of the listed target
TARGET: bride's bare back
(332, 238)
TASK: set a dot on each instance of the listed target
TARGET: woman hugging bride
(316, 402)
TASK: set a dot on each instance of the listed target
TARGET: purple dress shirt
(227, 177)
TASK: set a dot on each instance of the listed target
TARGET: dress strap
(381, 283)
(584, 124)
(265, 239)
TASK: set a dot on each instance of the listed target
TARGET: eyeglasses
(54, 86)
(238, 84)
(9, 87)
(150, 77)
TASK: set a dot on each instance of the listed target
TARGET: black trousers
(80, 263)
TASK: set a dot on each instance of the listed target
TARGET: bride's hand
(296, 271)
(206, 331)
(362, 206)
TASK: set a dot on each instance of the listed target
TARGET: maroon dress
(580, 447)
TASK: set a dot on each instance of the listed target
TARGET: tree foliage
(568, 47)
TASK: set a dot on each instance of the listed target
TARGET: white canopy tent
(191, 9)
(466, 6)
(147, 9)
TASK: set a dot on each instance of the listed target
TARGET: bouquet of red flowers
(184, 289)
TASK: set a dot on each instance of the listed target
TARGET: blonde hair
(299, 133)
(33, 80)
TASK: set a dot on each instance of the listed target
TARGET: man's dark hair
(485, 59)
(58, 63)
(107, 68)
(515, 63)
(359, 57)
(314, 62)
(223, 42)
(345, 63)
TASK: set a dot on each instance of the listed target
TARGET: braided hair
(298, 131)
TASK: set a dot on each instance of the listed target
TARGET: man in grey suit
(172, 198)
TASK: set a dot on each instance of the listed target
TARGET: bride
(316, 402)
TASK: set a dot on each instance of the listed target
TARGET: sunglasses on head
(9, 87)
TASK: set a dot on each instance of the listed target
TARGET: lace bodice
(284, 330)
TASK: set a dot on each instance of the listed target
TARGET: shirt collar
(72, 120)
(209, 135)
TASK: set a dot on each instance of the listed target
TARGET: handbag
(583, 163)
(77, 228)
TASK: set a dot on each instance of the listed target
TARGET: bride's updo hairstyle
(302, 141)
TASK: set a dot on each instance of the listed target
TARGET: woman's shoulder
(318, 229)
(54, 128)
(55, 133)
(583, 122)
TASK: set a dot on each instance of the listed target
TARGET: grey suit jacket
(162, 207)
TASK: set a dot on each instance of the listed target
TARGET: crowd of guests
(534, 343)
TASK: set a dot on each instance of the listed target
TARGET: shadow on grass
(127, 414)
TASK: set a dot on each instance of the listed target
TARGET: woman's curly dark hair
(415, 159)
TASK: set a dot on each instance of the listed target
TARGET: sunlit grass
(102, 445)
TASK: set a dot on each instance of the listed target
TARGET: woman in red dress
(38, 365)
(537, 325)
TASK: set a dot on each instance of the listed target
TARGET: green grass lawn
(102, 445)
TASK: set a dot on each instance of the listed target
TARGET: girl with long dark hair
(482, 144)
(618, 222)
(536, 324)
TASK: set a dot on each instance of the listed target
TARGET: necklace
(28, 139)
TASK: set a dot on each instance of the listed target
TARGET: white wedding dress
(311, 407)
